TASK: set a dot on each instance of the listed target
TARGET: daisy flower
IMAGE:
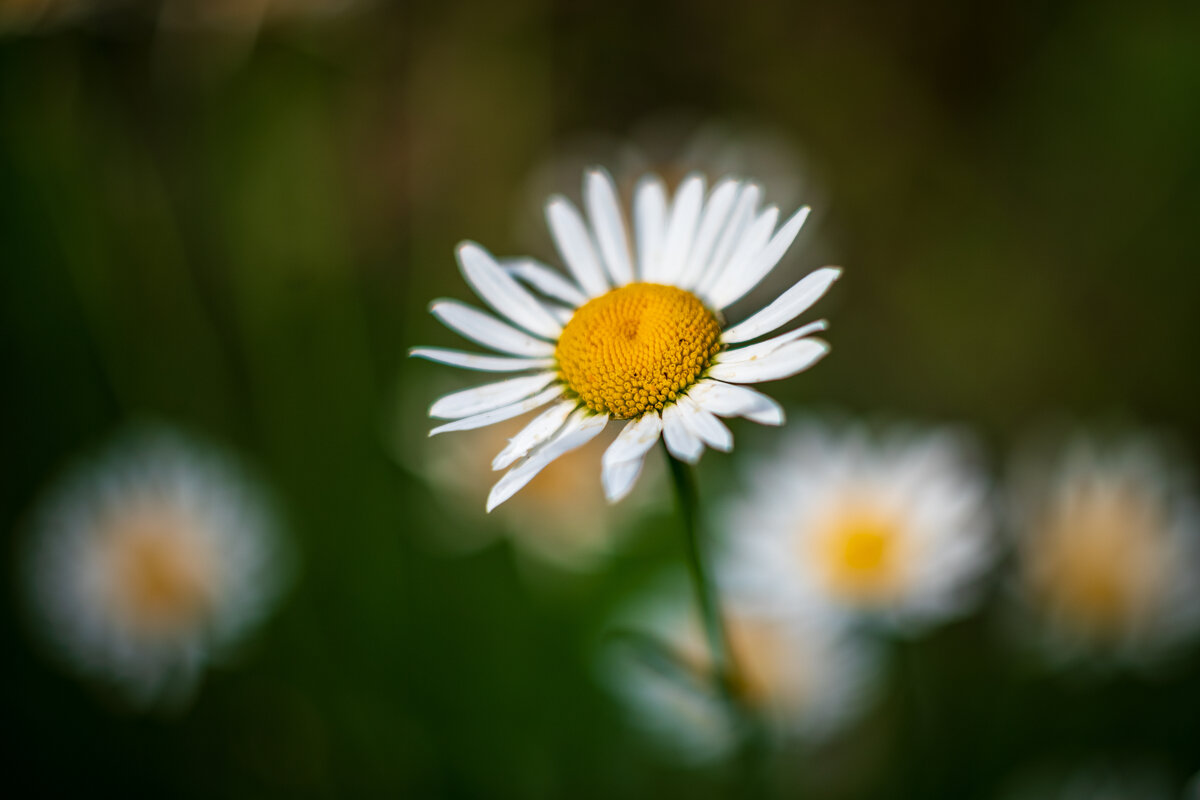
(635, 334)
(1107, 538)
(148, 562)
(672, 145)
(891, 526)
(560, 520)
(804, 675)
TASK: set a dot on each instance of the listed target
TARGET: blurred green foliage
(238, 232)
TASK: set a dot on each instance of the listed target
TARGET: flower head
(1108, 537)
(802, 673)
(892, 526)
(559, 521)
(148, 562)
(636, 333)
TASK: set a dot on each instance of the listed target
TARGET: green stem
(706, 593)
(754, 778)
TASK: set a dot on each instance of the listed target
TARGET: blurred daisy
(635, 334)
(560, 520)
(802, 674)
(672, 145)
(149, 562)
(1107, 537)
(892, 526)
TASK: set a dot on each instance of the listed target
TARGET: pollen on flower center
(637, 348)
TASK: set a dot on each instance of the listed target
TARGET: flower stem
(706, 592)
(752, 757)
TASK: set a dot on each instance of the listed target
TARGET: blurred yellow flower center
(1100, 559)
(760, 661)
(162, 579)
(858, 551)
(637, 348)
(763, 671)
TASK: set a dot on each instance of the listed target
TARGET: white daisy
(803, 674)
(1107, 539)
(892, 526)
(146, 563)
(672, 145)
(560, 520)
(636, 334)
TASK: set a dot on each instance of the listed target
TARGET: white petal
(681, 230)
(542, 428)
(548, 281)
(488, 396)
(461, 358)
(783, 363)
(600, 197)
(635, 439)
(754, 352)
(702, 423)
(681, 442)
(501, 291)
(748, 248)
(579, 429)
(728, 400)
(712, 222)
(622, 461)
(739, 220)
(789, 305)
(500, 414)
(650, 225)
(575, 246)
(619, 478)
(766, 260)
(487, 330)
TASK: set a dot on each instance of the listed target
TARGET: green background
(239, 233)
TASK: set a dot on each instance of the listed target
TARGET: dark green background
(239, 234)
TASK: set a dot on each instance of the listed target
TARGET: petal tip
(596, 172)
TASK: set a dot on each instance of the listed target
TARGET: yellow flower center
(763, 670)
(859, 552)
(164, 579)
(1100, 560)
(637, 348)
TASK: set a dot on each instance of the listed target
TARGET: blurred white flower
(150, 561)
(561, 519)
(1107, 536)
(804, 675)
(893, 527)
(675, 144)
